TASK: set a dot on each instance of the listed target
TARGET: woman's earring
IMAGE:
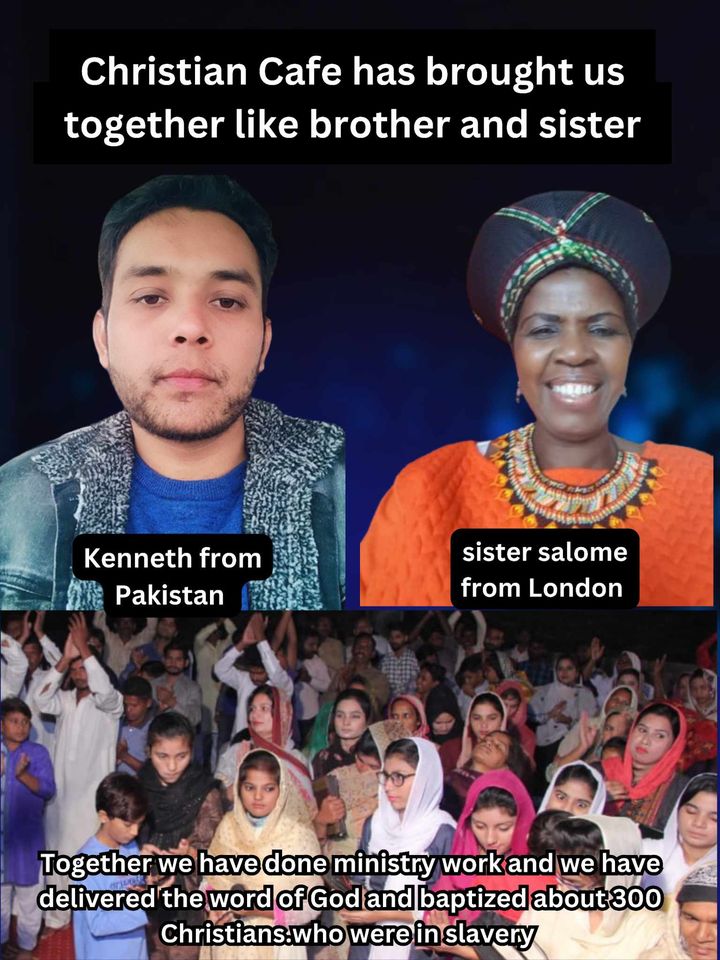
(518, 393)
(624, 393)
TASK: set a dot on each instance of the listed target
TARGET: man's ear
(102, 816)
(100, 338)
(267, 340)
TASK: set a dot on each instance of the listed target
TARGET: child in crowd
(139, 714)
(28, 782)
(121, 806)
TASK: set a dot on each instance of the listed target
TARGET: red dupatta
(663, 771)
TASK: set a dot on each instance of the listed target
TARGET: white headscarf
(671, 851)
(621, 838)
(598, 801)
(647, 689)
(411, 831)
(709, 712)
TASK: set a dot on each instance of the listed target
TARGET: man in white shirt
(208, 649)
(14, 664)
(85, 747)
(35, 648)
(244, 682)
(122, 636)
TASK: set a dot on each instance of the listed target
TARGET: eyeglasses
(396, 779)
(571, 886)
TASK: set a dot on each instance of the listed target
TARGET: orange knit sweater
(405, 556)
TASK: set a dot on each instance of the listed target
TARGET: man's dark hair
(122, 797)
(214, 192)
(364, 636)
(176, 645)
(14, 705)
(153, 669)
(137, 687)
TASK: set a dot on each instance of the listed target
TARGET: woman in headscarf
(690, 835)
(645, 784)
(585, 740)
(184, 809)
(703, 693)
(486, 715)
(557, 706)
(499, 750)
(576, 789)
(513, 695)
(628, 662)
(566, 279)
(691, 922)
(446, 725)
(497, 816)
(269, 815)
(409, 710)
(349, 720)
(408, 820)
(270, 722)
(566, 934)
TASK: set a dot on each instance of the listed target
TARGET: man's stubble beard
(146, 413)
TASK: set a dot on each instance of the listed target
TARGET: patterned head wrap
(523, 243)
(700, 885)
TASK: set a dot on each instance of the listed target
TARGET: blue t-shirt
(161, 505)
(110, 934)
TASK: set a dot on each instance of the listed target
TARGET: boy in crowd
(139, 714)
(28, 782)
(121, 806)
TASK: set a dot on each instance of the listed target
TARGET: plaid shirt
(539, 672)
(401, 671)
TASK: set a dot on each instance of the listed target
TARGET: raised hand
(596, 649)
(254, 631)
(80, 633)
(659, 665)
(587, 733)
(38, 624)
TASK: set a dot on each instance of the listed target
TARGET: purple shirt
(23, 833)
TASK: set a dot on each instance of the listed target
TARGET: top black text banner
(356, 96)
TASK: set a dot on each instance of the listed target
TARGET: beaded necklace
(539, 501)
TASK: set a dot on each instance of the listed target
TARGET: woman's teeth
(573, 389)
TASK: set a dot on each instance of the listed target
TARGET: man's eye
(149, 299)
(228, 303)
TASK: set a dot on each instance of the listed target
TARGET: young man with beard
(173, 690)
(183, 331)
(400, 665)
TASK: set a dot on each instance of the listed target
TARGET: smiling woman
(566, 279)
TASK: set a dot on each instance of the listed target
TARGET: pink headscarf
(465, 843)
(416, 703)
(468, 737)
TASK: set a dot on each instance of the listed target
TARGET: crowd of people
(316, 733)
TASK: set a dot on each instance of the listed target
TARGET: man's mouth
(187, 379)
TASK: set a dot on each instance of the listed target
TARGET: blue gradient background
(371, 325)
